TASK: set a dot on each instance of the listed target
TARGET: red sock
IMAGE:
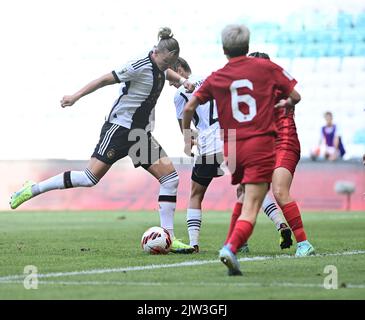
(240, 234)
(292, 215)
(235, 214)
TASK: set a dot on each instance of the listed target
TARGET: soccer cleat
(196, 248)
(230, 260)
(180, 247)
(304, 249)
(285, 237)
(22, 195)
(244, 248)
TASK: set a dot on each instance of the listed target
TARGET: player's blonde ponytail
(167, 41)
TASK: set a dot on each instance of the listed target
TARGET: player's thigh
(197, 190)
(253, 198)
(98, 168)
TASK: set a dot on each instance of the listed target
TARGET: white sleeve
(124, 73)
(180, 101)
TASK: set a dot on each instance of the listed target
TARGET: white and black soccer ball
(156, 240)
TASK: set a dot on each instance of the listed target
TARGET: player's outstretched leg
(273, 213)
(69, 179)
(281, 182)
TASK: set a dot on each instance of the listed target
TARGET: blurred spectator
(330, 144)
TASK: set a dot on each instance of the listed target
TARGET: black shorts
(206, 168)
(116, 142)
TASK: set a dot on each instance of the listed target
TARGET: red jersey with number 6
(244, 90)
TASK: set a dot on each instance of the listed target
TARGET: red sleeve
(284, 81)
(204, 93)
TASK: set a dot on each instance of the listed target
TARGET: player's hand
(188, 145)
(187, 150)
(68, 101)
(190, 87)
(283, 103)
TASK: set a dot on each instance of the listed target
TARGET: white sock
(272, 211)
(167, 210)
(194, 220)
(167, 201)
(69, 179)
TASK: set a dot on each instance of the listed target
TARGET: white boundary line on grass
(173, 265)
(195, 284)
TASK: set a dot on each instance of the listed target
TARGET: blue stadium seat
(301, 37)
(360, 21)
(359, 49)
(278, 36)
(259, 36)
(289, 51)
(351, 35)
(327, 36)
(315, 50)
(338, 49)
(344, 20)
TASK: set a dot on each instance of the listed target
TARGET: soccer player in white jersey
(127, 131)
(208, 160)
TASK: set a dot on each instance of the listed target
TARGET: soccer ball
(156, 240)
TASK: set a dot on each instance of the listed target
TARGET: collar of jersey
(234, 59)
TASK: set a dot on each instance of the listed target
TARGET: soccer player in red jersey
(244, 90)
(287, 148)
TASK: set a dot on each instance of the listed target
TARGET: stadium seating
(325, 52)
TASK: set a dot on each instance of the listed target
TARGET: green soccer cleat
(304, 249)
(22, 195)
(285, 237)
(179, 247)
(230, 260)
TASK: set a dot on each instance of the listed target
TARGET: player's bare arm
(291, 101)
(189, 110)
(173, 76)
(94, 85)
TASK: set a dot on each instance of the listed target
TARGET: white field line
(195, 284)
(173, 265)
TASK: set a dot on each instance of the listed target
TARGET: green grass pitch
(103, 251)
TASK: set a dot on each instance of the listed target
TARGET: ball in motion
(156, 240)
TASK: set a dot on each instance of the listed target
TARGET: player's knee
(92, 180)
(74, 179)
(281, 194)
(169, 184)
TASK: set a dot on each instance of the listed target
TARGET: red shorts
(288, 159)
(253, 161)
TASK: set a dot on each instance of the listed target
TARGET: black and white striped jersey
(205, 119)
(142, 83)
